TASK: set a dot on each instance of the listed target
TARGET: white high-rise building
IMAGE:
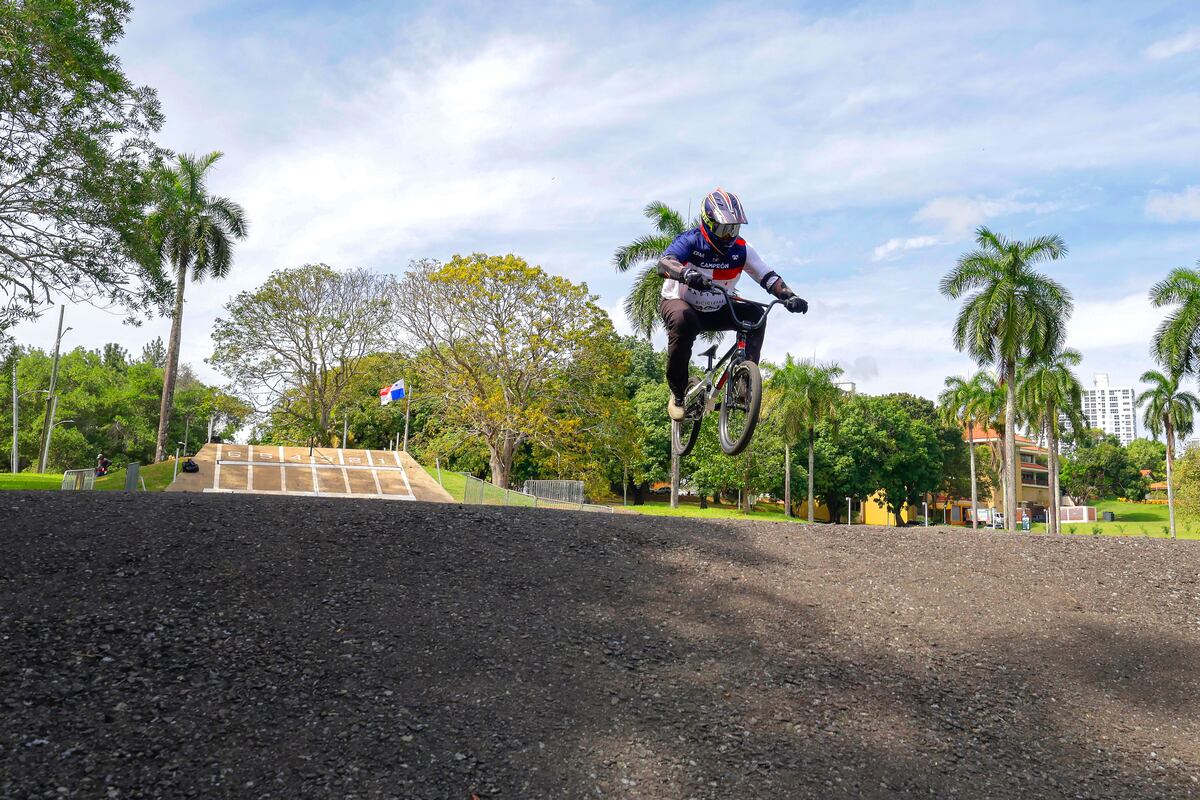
(1111, 409)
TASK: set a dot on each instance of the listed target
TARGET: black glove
(696, 279)
(796, 305)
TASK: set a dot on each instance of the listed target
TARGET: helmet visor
(726, 230)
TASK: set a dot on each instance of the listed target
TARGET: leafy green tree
(112, 407)
(115, 356)
(1148, 454)
(1048, 389)
(911, 455)
(1099, 468)
(295, 345)
(73, 161)
(507, 346)
(757, 470)
(1187, 485)
(193, 231)
(1011, 312)
(155, 353)
(641, 304)
(1170, 412)
(1176, 343)
(807, 395)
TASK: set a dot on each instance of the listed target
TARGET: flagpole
(407, 404)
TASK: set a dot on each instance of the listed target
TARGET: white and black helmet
(722, 215)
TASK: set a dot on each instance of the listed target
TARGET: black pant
(684, 324)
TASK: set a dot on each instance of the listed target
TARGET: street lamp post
(925, 506)
(849, 513)
(51, 398)
(16, 459)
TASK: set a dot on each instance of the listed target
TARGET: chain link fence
(472, 491)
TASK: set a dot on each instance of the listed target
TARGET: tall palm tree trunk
(974, 485)
(810, 478)
(1052, 447)
(1170, 483)
(171, 368)
(1010, 446)
(787, 479)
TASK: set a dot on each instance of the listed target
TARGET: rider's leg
(683, 324)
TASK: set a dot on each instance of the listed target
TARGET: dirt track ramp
(312, 472)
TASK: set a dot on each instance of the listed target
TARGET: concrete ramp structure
(310, 472)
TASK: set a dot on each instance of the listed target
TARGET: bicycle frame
(733, 356)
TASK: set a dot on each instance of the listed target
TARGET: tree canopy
(296, 344)
(74, 162)
(517, 355)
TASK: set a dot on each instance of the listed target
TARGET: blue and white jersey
(692, 249)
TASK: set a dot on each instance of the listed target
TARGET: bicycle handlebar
(749, 326)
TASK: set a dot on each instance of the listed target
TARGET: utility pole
(16, 413)
(51, 399)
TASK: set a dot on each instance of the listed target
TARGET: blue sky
(866, 140)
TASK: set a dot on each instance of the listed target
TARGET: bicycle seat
(710, 352)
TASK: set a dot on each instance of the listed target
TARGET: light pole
(16, 459)
(925, 505)
(849, 513)
(52, 398)
(175, 466)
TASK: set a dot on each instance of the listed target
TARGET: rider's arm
(669, 266)
(674, 260)
(767, 278)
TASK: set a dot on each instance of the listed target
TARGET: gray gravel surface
(240, 646)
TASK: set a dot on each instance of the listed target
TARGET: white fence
(562, 491)
(477, 492)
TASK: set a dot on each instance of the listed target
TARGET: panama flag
(389, 393)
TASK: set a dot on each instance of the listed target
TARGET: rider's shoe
(675, 409)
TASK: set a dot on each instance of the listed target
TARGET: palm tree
(192, 230)
(641, 304)
(1177, 340)
(1168, 411)
(807, 395)
(1049, 389)
(1011, 312)
(968, 404)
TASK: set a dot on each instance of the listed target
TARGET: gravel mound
(257, 646)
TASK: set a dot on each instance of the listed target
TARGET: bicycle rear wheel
(739, 409)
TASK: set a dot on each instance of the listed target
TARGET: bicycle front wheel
(739, 408)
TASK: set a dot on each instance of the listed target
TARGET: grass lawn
(1132, 519)
(156, 476)
(30, 480)
(690, 507)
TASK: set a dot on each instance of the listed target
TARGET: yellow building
(1033, 490)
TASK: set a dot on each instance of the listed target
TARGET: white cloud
(893, 247)
(1178, 207)
(1177, 45)
(959, 216)
(1124, 322)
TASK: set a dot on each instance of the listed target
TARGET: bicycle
(742, 384)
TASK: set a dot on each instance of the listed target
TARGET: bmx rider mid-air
(712, 252)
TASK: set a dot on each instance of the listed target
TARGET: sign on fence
(79, 479)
